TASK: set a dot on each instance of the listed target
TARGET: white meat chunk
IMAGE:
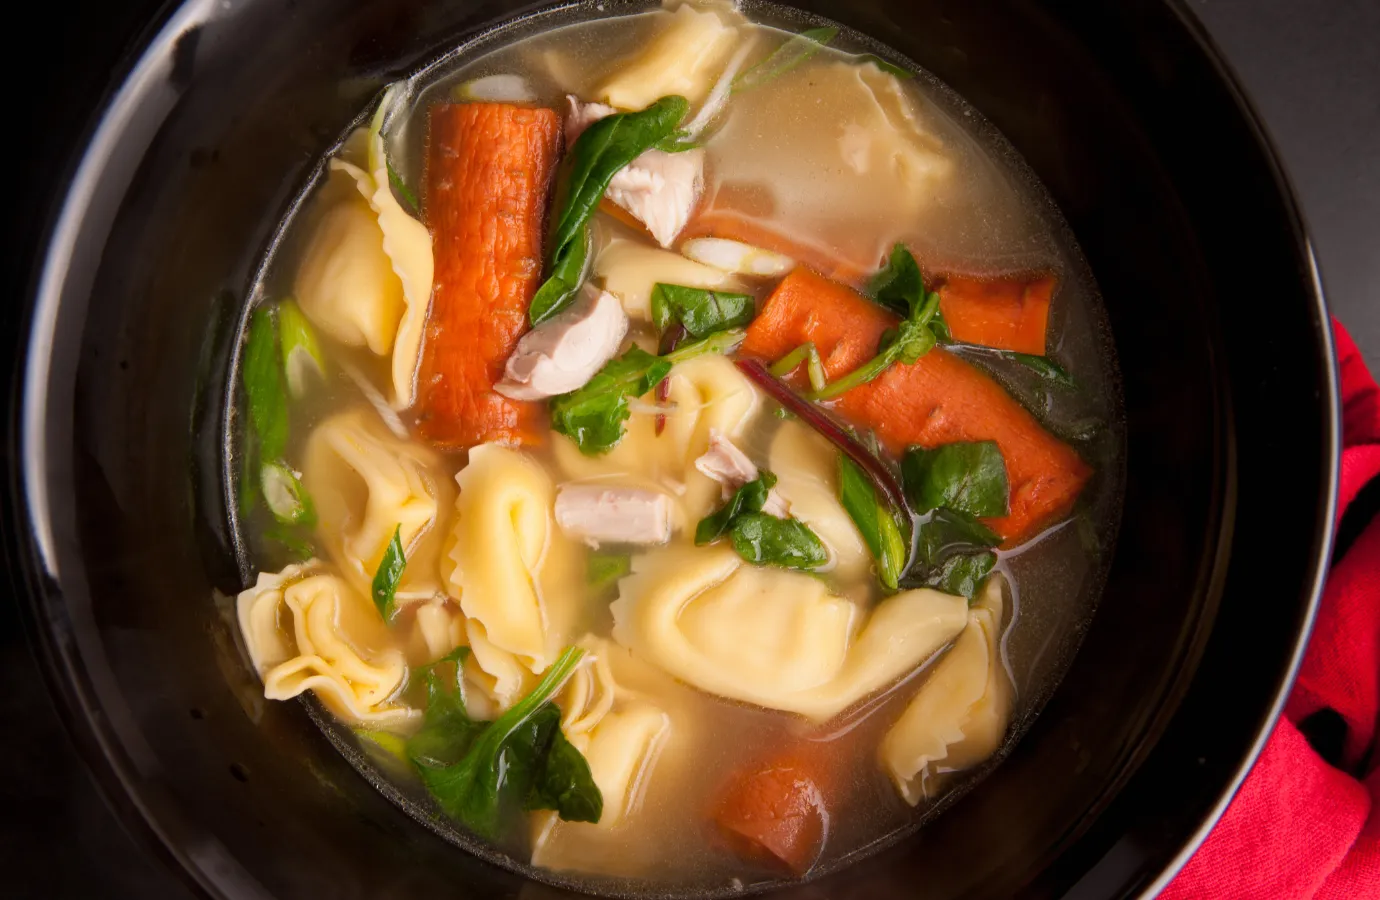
(564, 353)
(730, 467)
(604, 514)
(658, 189)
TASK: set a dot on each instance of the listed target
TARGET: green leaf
(967, 476)
(962, 575)
(899, 286)
(794, 51)
(702, 312)
(498, 770)
(390, 572)
(286, 498)
(599, 153)
(263, 386)
(875, 520)
(564, 782)
(949, 533)
(604, 569)
(447, 730)
(303, 361)
(400, 187)
(677, 143)
(567, 274)
(593, 416)
(748, 499)
(767, 540)
(1043, 366)
(906, 343)
(717, 343)
(887, 67)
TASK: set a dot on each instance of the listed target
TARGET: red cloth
(1300, 827)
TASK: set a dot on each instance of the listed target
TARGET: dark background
(1311, 68)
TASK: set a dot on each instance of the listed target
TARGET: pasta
(630, 269)
(683, 59)
(366, 484)
(516, 575)
(772, 637)
(305, 629)
(959, 716)
(806, 467)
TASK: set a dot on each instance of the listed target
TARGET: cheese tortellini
(631, 269)
(306, 629)
(959, 716)
(684, 58)
(518, 578)
(708, 394)
(806, 468)
(366, 483)
(773, 637)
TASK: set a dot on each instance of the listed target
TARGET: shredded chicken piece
(601, 514)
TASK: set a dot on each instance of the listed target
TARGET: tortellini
(773, 637)
(306, 629)
(684, 58)
(959, 716)
(631, 268)
(616, 710)
(367, 483)
(806, 467)
(518, 578)
(707, 393)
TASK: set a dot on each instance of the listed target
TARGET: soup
(677, 450)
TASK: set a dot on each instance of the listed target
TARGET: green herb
(599, 153)
(604, 569)
(263, 385)
(677, 143)
(593, 416)
(746, 500)
(564, 782)
(447, 729)
(403, 191)
(767, 540)
(390, 572)
(717, 343)
(876, 521)
(701, 312)
(950, 533)
(887, 67)
(966, 476)
(794, 51)
(814, 366)
(962, 575)
(507, 759)
(296, 547)
(286, 498)
(302, 357)
(1043, 366)
(899, 287)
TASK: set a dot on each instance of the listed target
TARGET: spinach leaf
(563, 781)
(263, 386)
(899, 286)
(767, 540)
(604, 570)
(499, 768)
(447, 729)
(593, 416)
(950, 533)
(875, 520)
(389, 573)
(748, 499)
(599, 153)
(962, 575)
(701, 312)
(966, 476)
(794, 51)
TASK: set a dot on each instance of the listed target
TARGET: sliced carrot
(1008, 313)
(938, 400)
(618, 213)
(776, 814)
(489, 172)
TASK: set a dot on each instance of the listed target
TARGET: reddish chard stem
(822, 422)
(669, 341)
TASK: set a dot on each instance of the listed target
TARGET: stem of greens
(814, 366)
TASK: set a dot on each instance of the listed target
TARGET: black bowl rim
(28, 554)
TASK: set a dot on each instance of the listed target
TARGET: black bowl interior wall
(1219, 327)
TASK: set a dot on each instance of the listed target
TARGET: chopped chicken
(563, 354)
(730, 467)
(658, 189)
(600, 514)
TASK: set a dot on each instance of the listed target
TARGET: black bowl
(1127, 114)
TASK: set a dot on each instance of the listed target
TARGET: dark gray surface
(1311, 69)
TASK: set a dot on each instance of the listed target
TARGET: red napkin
(1301, 826)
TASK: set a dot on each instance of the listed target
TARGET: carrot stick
(938, 400)
(1009, 313)
(776, 814)
(489, 171)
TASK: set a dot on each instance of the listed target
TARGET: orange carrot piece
(776, 814)
(1009, 313)
(938, 400)
(618, 213)
(489, 172)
